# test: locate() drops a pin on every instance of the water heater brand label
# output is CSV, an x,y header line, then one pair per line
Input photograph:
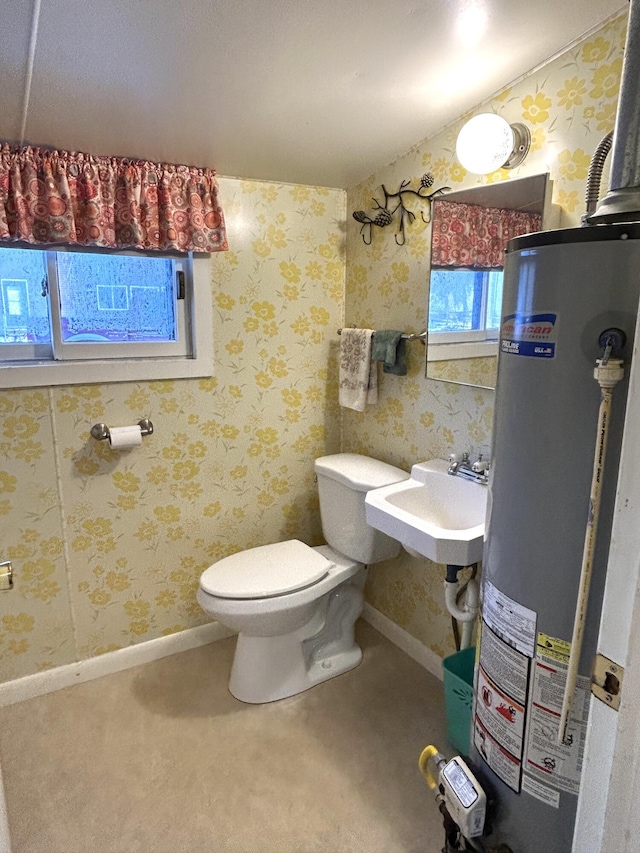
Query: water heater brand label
x,y
533,335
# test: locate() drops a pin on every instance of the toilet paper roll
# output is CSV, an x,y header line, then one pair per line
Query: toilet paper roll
x,y
127,436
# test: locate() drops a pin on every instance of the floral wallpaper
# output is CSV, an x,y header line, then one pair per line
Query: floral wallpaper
x,y
471,371
568,105
108,546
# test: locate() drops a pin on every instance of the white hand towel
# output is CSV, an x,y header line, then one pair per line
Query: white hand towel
x,y
358,374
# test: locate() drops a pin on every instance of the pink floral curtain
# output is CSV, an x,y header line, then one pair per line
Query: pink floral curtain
x,y
68,197
467,235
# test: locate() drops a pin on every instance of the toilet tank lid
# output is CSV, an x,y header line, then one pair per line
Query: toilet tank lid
x,y
266,571
359,472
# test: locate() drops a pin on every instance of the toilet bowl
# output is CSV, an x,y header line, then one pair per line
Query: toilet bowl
x,y
289,641
295,607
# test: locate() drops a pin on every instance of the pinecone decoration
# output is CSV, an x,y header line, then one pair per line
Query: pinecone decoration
x,y
427,180
360,216
383,218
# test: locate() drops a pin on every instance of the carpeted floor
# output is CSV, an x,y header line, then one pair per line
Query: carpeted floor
x,y
162,759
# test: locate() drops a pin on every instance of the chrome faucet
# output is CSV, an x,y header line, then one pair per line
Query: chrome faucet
x,y
456,460
478,471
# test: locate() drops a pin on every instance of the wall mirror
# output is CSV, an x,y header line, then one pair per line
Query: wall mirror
x,y
470,229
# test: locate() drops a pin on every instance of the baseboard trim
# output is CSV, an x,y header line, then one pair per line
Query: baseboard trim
x,y
51,680
403,640
41,683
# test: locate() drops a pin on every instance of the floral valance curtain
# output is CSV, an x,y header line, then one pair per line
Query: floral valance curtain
x,y
467,235
68,197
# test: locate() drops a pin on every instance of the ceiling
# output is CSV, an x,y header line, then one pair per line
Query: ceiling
x,y
312,91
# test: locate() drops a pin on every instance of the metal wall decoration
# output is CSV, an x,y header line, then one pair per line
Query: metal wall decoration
x,y
384,213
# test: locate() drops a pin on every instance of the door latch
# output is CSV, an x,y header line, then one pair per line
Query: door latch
x,y
606,681
6,575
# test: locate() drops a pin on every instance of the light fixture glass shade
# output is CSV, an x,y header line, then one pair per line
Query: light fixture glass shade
x,y
485,143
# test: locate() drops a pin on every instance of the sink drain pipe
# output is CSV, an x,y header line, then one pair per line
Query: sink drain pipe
x,y
469,611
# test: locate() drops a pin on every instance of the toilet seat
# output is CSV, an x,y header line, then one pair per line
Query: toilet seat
x,y
266,571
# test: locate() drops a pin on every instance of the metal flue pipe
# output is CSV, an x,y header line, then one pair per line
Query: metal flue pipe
x,y
622,202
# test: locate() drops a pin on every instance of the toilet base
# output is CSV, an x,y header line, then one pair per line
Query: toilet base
x,y
266,669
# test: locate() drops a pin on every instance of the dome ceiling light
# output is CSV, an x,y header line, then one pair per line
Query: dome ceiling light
x,y
488,142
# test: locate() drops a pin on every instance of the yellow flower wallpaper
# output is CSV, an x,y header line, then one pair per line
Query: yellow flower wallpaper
x,y
108,546
568,105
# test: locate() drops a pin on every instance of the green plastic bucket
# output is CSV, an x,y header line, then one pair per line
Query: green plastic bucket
x,y
458,697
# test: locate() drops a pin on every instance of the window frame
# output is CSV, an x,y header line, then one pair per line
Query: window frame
x,y
26,351
123,366
75,350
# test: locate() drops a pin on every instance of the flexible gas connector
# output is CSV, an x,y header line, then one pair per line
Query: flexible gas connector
x,y
430,755
592,196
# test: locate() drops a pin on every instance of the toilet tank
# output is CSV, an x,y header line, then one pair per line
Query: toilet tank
x,y
343,481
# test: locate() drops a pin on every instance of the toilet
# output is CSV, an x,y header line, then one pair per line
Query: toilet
x,y
295,607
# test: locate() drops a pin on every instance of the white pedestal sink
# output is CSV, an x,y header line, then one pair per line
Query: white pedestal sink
x,y
438,515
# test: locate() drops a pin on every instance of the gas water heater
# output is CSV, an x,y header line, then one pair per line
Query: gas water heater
x,y
563,290
570,299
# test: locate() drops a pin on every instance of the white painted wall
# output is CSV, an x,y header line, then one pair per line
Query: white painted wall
x,y
621,830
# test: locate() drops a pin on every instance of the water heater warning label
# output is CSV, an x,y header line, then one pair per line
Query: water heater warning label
x,y
532,335
501,716
558,766
500,706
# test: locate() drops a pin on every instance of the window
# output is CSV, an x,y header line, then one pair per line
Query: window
x,y
67,315
464,305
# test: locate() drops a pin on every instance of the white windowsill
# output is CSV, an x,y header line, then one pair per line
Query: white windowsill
x,y
451,352
39,373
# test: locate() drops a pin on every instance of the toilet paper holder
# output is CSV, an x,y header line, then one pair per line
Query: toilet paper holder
x,y
101,431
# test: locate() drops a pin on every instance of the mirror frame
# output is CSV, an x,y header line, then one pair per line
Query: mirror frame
x,y
531,194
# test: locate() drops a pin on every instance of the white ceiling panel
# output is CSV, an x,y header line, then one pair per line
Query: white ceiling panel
x,y
287,90
15,29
